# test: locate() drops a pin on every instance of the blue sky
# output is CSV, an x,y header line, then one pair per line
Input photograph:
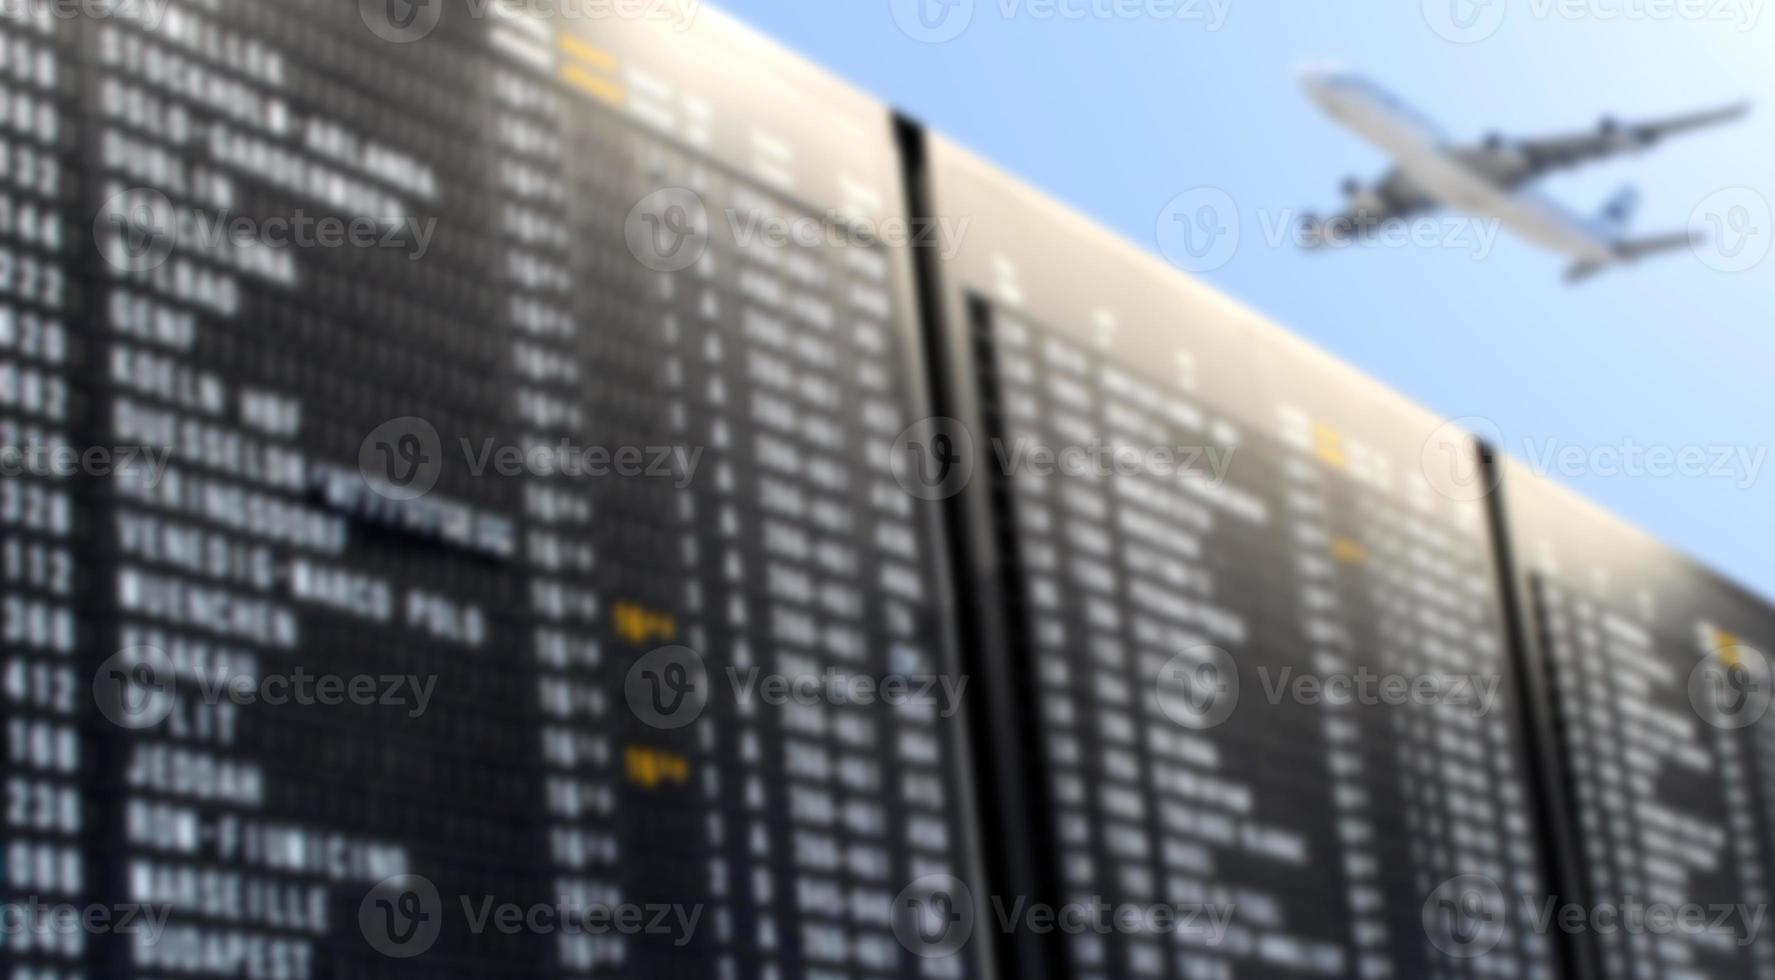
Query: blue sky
x,y
1119,113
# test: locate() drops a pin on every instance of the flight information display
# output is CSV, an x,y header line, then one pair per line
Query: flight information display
x,y
464,541
500,489
1657,673
1266,700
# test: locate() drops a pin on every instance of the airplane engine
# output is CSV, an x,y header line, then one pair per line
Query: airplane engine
x,y
1317,232
1362,200
1312,230
1511,154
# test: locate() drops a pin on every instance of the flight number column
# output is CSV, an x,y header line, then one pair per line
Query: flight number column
x,y
45,686
535,253
1323,623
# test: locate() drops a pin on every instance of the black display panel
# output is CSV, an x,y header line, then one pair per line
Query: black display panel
x,y
496,568
1261,676
472,503
1656,680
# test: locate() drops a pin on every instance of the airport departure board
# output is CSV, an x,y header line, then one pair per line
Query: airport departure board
x,y
494,495
482,567
1657,674
1267,701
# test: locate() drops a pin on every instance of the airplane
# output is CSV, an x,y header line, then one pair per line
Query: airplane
x,y
1490,179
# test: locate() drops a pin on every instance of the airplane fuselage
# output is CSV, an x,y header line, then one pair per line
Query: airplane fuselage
x,y
1423,155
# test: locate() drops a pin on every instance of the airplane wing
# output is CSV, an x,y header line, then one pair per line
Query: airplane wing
x,y
1515,162
1392,197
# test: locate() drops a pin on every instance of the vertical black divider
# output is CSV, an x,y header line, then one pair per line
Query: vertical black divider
x,y
1551,786
1016,825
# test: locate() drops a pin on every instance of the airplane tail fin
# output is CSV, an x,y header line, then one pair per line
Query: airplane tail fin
x,y
1630,250
1639,248
1581,271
